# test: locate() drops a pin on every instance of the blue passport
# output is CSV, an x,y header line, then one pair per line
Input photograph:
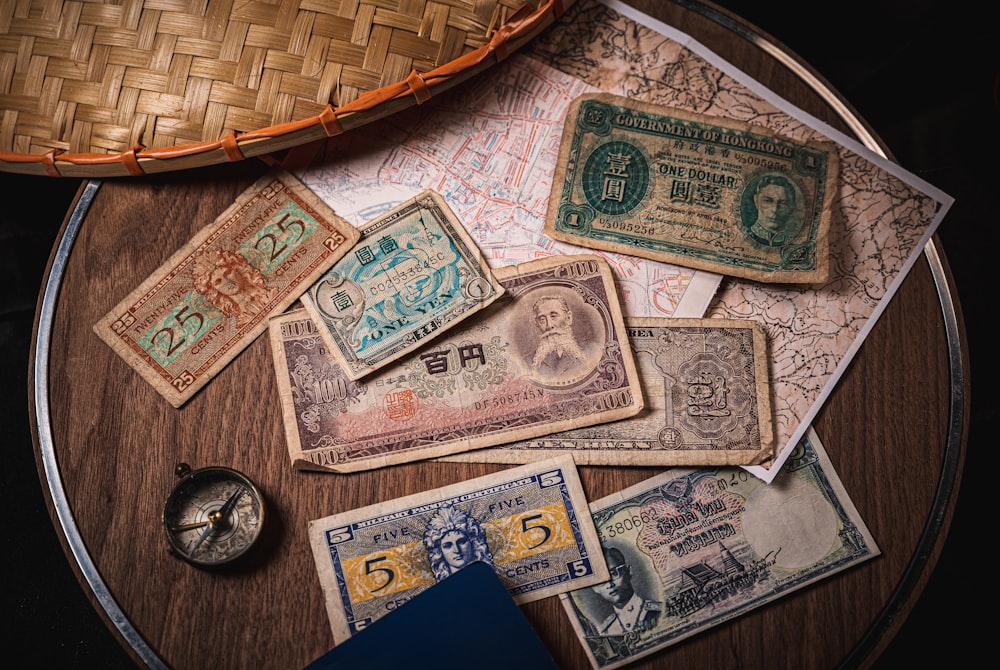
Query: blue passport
x,y
469,616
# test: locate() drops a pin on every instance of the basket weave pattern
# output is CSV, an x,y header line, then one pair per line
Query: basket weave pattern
x,y
88,83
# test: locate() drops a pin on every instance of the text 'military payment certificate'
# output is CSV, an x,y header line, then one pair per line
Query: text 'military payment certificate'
x,y
530,523
690,549
213,297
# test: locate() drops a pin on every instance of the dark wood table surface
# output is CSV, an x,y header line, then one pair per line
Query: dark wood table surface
x,y
107,445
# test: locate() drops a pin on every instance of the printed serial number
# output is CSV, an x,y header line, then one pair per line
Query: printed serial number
x,y
509,399
629,227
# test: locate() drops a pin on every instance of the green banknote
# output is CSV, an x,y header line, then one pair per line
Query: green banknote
x,y
689,549
694,190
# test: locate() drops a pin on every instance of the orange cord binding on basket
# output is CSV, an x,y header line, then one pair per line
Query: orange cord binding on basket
x,y
515,29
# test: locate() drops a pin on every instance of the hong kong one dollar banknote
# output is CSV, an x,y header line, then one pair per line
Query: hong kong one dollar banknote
x,y
213,296
529,523
691,548
551,354
703,192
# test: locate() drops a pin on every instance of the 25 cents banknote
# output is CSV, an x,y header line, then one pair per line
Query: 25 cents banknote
x,y
213,297
550,355
690,549
530,523
415,273
699,191
707,402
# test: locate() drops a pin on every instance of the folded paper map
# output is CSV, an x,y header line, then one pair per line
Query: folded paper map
x,y
882,218
529,523
415,273
551,354
700,191
707,402
213,297
689,549
490,148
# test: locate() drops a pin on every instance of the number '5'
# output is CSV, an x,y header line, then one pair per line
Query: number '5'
x,y
525,528
369,570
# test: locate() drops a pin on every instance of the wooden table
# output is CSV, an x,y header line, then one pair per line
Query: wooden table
x,y
107,443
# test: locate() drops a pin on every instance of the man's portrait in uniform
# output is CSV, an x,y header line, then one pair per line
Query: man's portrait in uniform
x,y
630,611
772,210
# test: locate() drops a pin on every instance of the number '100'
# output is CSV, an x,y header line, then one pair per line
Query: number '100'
x,y
328,390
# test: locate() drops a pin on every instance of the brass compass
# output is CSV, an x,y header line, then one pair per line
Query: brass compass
x,y
213,515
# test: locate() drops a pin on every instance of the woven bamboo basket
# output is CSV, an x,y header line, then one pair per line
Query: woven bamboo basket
x,y
111,88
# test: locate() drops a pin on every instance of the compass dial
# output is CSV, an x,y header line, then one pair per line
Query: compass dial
x,y
213,516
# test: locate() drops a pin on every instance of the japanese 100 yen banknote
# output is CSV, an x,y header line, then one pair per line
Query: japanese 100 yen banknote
x,y
699,191
706,402
692,548
213,296
530,523
551,354
415,273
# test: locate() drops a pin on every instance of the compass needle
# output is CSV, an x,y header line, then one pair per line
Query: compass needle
x,y
210,500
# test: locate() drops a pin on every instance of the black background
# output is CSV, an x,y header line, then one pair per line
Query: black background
x,y
923,73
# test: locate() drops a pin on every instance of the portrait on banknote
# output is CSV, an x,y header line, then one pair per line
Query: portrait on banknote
x,y
701,191
529,524
565,338
454,539
231,283
214,295
474,386
628,611
707,402
691,548
771,209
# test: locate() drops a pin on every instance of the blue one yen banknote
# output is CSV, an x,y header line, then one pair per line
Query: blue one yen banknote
x,y
699,191
529,523
414,273
689,549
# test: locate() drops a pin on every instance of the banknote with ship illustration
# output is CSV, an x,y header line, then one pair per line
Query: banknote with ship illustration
x,y
692,548
700,191
551,354
212,297
707,402
415,273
